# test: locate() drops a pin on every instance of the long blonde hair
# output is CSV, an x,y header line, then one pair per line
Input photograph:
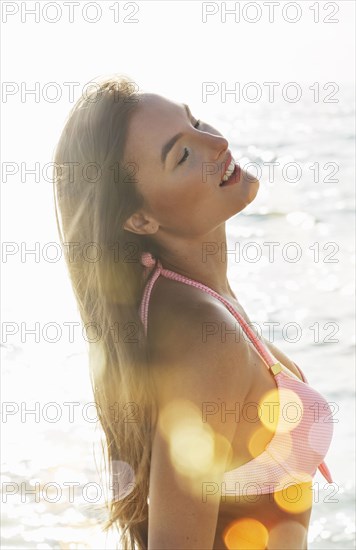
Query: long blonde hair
x,y
94,195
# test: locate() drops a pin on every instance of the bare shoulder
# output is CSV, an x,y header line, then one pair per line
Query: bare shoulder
x,y
188,352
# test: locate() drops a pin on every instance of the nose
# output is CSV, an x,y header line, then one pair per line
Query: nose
x,y
219,146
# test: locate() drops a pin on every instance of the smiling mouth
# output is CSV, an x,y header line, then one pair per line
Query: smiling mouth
x,y
234,178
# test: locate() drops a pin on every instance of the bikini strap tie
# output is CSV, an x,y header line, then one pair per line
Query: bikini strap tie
x,y
149,263
147,259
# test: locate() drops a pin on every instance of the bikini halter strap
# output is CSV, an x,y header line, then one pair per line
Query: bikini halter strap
x,y
154,264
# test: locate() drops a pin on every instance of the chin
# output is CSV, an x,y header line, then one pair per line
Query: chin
x,y
252,187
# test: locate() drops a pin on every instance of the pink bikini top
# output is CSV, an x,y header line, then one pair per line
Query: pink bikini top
x,y
303,435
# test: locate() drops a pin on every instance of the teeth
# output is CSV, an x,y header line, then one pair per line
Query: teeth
x,y
229,170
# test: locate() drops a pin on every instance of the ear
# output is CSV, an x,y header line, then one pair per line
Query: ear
x,y
139,224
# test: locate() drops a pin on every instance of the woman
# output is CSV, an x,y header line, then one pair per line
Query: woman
x,y
189,398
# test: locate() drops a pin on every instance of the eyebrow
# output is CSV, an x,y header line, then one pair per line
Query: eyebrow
x,y
170,143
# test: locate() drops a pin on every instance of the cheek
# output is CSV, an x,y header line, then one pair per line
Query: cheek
x,y
174,205
174,199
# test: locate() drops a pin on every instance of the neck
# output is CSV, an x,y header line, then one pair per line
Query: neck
x,y
203,259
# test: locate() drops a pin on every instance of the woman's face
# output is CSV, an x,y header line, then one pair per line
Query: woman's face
x,y
179,167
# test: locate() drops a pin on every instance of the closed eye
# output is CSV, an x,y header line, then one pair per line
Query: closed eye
x,y
186,152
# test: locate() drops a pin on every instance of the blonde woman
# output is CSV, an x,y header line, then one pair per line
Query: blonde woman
x,y
195,460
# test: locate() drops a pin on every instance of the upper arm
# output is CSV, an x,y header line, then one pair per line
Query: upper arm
x,y
195,379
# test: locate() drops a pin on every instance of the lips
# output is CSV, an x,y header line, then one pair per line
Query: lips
x,y
234,178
